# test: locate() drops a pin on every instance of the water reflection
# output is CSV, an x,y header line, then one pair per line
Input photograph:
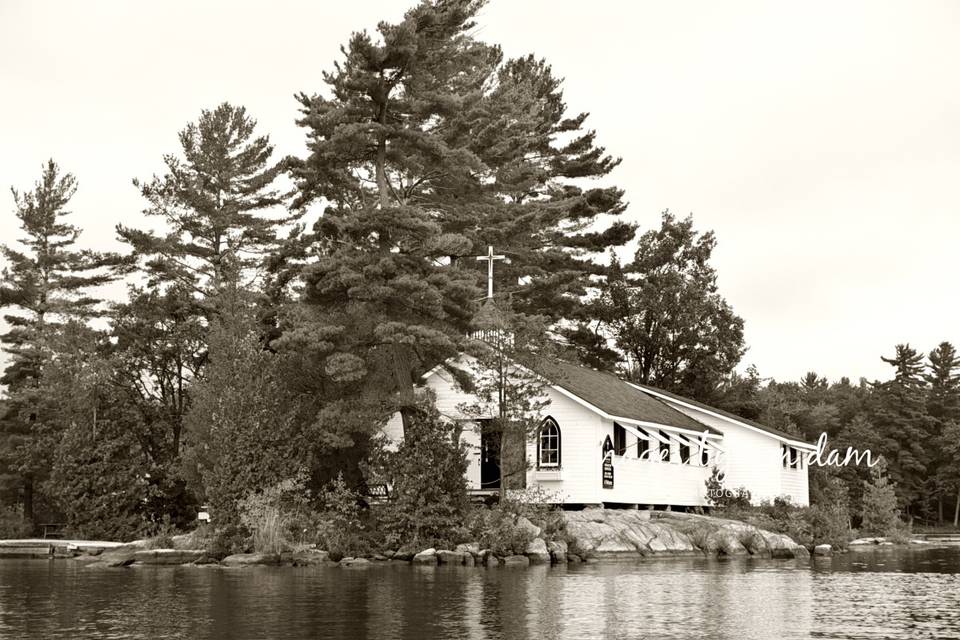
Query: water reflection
x,y
870,594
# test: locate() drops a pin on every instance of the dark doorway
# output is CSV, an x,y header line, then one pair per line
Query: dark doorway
x,y
489,459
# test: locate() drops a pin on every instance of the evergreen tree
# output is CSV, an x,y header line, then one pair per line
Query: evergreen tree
x,y
743,394
46,283
538,198
376,146
900,417
943,407
222,215
948,471
804,408
216,202
880,515
426,133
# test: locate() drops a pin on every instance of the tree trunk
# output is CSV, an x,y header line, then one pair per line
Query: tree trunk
x,y
956,510
940,509
381,159
28,498
503,477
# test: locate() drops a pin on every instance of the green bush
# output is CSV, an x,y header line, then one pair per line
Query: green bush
x,y
428,503
721,497
540,508
227,541
268,515
161,535
341,527
813,525
12,524
497,529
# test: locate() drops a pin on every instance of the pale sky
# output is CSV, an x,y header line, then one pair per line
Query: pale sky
x,y
819,140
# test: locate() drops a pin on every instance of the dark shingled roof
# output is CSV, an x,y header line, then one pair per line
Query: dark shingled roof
x,y
614,396
732,416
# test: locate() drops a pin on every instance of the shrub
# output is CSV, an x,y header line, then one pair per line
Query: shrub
x,y
829,525
539,507
429,500
268,515
13,525
341,530
816,524
723,498
698,531
161,537
227,541
497,529
881,517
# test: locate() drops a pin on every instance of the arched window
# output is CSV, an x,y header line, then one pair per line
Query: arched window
x,y
548,444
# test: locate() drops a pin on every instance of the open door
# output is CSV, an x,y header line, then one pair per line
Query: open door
x,y
489,460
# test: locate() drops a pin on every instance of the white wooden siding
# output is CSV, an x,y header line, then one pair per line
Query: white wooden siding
x,y
751,459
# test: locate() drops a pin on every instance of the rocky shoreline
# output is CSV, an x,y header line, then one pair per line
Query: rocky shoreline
x,y
591,535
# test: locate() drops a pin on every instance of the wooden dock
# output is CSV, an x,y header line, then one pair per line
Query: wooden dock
x,y
52,548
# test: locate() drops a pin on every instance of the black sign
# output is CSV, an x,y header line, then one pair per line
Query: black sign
x,y
608,473
607,464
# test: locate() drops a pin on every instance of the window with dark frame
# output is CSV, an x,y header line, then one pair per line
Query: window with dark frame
x,y
643,449
548,445
664,448
619,440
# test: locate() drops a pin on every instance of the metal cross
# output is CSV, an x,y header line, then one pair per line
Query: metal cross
x,y
490,257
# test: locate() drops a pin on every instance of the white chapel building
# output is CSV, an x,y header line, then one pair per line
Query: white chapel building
x,y
605,441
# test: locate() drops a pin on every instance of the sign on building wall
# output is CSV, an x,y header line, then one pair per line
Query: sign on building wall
x,y
607,464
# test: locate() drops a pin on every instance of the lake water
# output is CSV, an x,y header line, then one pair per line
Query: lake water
x,y
880,593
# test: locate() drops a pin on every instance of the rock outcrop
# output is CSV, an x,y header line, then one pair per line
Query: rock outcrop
x,y
168,556
309,558
428,557
246,559
537,552
625,533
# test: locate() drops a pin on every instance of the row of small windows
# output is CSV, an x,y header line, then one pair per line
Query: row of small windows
x,y
549,447
662,453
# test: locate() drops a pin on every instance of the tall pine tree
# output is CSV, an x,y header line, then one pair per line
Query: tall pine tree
x,y
377,144
219,205
943,407
899,415
46,283
427,149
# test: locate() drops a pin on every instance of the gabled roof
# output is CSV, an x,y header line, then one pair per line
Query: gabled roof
x,y
726,414
615,397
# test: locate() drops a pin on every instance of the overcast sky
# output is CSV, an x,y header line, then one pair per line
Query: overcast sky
x,y
819,140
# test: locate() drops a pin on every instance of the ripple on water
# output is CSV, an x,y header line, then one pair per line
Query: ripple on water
x,y
891,594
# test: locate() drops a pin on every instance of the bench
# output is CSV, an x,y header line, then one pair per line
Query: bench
x,y
52,529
